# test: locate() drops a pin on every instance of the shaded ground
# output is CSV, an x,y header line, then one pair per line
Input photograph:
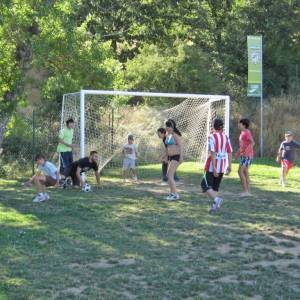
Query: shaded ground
x,y
127,242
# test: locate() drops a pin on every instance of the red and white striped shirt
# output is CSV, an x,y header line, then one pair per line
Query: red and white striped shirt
x,y
219,143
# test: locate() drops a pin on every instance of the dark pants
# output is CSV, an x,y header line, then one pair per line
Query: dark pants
x,y
66,158
164,168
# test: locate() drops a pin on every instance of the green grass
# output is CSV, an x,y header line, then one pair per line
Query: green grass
x,y
126,242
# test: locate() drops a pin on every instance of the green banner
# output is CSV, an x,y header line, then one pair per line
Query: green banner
x,y
254,44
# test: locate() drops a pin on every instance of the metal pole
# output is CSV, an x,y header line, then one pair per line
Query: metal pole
x,y
261,106
33,142
82,124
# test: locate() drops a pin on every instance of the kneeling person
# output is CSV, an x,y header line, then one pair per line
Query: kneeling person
x,y
47,176
82,165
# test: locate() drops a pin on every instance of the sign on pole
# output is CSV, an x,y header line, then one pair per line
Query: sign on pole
x,y
255,77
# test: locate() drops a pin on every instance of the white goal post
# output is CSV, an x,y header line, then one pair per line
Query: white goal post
x,y
102,123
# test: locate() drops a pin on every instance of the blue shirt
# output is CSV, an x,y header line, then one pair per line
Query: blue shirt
x,y
288,150
48,169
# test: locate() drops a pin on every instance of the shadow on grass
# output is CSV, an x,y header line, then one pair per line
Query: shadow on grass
x,y
123,242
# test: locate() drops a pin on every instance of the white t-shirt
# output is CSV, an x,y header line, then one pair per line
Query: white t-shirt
x,y
48,169
130,151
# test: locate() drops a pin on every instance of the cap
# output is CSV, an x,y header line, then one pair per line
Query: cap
x,y
288,133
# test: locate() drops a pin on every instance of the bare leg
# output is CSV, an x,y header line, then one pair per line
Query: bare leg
x,y
246,174
173,165
284,172
243,179
38,183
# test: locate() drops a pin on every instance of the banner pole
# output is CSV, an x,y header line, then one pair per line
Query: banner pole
x,y
261,106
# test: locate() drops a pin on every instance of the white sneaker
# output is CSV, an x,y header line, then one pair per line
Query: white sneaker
x,y
134,178
173,197
164,183
39,198
46,195
218,201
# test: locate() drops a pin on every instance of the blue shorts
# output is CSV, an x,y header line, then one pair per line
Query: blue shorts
x,y
245,161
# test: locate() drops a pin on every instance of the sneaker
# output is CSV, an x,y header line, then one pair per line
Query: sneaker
x,y
283,184
213,209
173,197
164,183
219,202
134,178
46,195
39,198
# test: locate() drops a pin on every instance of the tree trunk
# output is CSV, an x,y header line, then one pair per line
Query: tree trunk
x,y
3,124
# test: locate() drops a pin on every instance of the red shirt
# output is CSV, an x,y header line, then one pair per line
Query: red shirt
x,y
219,143
245,143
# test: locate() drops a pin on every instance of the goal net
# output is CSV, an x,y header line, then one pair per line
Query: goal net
x,y
103,123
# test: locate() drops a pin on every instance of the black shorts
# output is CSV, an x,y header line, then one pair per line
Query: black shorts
x,y
68,172
174,157
210,182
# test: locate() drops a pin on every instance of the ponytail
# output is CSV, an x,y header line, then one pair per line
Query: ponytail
x,y
171,123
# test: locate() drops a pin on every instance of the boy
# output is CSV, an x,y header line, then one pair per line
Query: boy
x,y
286,155
245,153
80,166
217,163
161,132
47,176
65,145
130,153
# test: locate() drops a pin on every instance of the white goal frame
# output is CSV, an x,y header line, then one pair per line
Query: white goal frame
x,y
82,93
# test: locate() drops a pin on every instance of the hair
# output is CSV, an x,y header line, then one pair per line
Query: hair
x,y
69,121
93,152
130,137
171,123
161,130
245,122
218,124
39,156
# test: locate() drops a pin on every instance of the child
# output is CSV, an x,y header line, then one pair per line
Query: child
x,y
217,163
162,134
286,155
65,146
47,176
130,154
245,153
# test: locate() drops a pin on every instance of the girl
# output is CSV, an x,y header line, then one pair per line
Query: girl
x,y
174,151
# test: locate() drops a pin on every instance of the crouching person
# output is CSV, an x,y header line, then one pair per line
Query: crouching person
x,y
47,175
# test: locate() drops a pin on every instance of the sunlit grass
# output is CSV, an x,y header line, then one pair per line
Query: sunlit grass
x,y
125,241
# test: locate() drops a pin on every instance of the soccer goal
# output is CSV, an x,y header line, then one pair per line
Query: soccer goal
x,y
103,122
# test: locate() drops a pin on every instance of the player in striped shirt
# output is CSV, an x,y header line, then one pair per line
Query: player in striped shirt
x,y
217,163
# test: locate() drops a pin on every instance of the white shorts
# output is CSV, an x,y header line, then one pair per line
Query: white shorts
x,y
128,163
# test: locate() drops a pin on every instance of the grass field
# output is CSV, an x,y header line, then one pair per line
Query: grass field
x,y
126,242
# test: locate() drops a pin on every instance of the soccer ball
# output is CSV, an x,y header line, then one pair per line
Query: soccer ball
x,y
86,187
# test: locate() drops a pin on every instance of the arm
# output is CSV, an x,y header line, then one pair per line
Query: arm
x,y
229,163
297,144
213,159
279,154
97,175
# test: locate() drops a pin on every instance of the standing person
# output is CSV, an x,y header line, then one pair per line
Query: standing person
x,y
286,155
78,167
47,176
130,154
245,153
162,134
65,146
217,163
174,149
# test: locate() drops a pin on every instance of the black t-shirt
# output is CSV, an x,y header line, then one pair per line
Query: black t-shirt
x,y
84,164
